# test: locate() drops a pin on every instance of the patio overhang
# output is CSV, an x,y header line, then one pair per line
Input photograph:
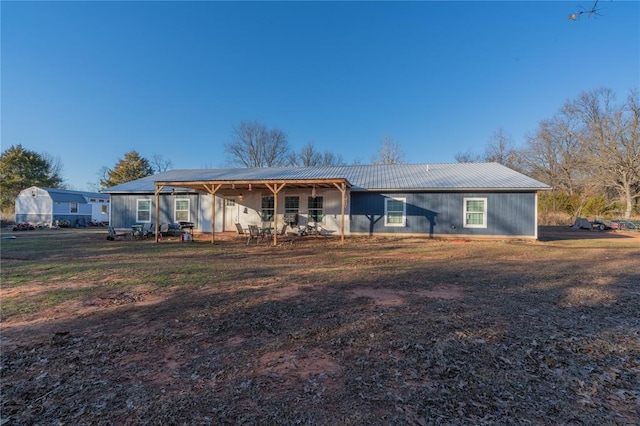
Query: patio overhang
x,y
272,185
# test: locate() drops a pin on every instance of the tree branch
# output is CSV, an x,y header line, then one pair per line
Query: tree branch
x,y
593,11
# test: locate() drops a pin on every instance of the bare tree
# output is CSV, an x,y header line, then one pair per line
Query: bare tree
x,y
389,152
103,176
500,149
254,145
308,156
553,154
468,157
331,159
612,140
160,164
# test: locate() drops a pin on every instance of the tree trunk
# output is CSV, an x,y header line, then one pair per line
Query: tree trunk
x,y
628,201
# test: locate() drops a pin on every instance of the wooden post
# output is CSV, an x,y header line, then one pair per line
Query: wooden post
x,y
343,190
157,196
212,190
275,189
344,201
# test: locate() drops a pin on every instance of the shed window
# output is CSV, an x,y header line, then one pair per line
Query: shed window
x,y
395,212
315,209
143,211
182,210
267,208
475,212
73,207
104,210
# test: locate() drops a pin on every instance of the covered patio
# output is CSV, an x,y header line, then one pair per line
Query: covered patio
x,y
273,186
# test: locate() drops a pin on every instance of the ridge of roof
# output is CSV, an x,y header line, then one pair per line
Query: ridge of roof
x,y
71,191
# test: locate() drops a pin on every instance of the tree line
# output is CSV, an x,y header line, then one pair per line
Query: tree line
x,y
588,152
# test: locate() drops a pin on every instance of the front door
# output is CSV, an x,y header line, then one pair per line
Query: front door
x,y
230,214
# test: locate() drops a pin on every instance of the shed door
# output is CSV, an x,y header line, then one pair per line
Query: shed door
x,y
230,214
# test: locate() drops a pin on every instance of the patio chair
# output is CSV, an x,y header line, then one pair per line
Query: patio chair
x,y
147,230
254,232
240,229
114,235
164,230
283,230
137,232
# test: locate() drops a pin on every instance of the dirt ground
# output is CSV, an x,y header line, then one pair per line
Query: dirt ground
x,y
376,331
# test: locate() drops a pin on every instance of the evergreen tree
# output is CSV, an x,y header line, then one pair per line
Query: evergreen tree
x,y
21,168
129,168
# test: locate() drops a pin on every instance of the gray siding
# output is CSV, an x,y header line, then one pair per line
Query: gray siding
x,y
123,208
440,213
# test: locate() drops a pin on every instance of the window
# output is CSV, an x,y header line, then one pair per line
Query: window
x,y
104,210
475,212
395,212
267,208
182,210
315,209
143,211
230,202
291,204
73,207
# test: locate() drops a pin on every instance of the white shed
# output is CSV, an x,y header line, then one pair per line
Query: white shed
x,y
48,205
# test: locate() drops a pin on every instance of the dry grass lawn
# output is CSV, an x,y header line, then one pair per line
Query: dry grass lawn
x,y
375,331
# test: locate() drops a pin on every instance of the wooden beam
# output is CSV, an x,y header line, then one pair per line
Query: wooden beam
x,y
275,189
343,190
212,190
157,199
197,184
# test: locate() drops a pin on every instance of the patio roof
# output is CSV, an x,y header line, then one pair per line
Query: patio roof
x,y
274,185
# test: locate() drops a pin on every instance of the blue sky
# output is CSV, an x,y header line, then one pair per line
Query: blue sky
x,y
89,81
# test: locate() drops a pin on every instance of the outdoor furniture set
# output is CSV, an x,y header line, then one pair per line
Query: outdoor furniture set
x,y
140,231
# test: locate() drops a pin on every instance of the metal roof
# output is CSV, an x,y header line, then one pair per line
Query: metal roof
x,y
389,177
69,196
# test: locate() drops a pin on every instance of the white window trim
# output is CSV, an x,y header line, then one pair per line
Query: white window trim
x,y
175,209
404,211
484,213
138,210
71,208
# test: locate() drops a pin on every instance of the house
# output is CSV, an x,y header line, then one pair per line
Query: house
x,y
48,205
444,200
